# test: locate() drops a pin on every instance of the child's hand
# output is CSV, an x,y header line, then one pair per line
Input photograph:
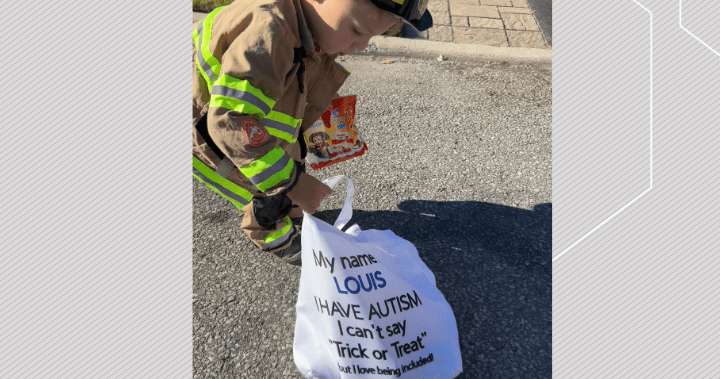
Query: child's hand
x,y
308,193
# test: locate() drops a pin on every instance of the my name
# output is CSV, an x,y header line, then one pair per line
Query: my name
x,y
354,261
321,261
357,261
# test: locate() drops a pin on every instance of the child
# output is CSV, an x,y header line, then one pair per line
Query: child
x,y
264,71
319,146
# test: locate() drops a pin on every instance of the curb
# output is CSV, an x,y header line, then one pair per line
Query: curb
x,y
419,48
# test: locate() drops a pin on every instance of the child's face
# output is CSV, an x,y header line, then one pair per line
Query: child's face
x,y
344,26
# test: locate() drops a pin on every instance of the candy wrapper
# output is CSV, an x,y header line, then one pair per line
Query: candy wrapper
x,y
333,137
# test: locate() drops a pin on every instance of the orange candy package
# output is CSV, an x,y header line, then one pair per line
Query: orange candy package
x,y
333,137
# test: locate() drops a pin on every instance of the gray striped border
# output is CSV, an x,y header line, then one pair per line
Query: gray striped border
x,y
708,17
567,249
96,272
637,297
96,276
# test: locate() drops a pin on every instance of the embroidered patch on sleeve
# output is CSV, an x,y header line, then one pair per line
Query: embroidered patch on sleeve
x,y
253,133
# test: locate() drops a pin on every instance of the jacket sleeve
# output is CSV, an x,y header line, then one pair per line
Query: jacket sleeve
x,y
241,119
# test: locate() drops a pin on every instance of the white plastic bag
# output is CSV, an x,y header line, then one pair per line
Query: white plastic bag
x,y
368,306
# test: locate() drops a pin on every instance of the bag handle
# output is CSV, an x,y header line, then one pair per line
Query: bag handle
x,y
346,212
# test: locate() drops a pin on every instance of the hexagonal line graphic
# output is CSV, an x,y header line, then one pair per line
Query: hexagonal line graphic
x,y
688,32
651,151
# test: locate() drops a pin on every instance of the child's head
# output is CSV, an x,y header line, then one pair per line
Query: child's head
x,y
344,26
319,137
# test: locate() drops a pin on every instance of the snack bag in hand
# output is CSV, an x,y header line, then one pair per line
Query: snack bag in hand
x,y
333,137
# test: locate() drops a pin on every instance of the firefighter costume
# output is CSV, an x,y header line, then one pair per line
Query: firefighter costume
x,y
258,83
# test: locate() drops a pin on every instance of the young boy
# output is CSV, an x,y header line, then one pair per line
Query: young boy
x,y
264,71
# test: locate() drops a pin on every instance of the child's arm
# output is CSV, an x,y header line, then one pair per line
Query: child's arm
x,y
253,114
244,120
308,193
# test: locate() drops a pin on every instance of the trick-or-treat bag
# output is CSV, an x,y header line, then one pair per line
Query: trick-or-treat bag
x,y
368,306
333,137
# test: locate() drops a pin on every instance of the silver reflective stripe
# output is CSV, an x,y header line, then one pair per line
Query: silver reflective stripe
x,y
220,188
241,95
278,125
270,171
282,239
201,58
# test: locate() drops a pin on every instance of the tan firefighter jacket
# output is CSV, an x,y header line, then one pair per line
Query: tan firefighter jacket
x,y
248,61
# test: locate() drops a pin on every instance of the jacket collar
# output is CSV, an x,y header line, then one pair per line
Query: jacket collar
x,y
305,35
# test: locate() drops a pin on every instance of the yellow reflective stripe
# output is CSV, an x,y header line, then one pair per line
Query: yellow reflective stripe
x,y
281,236
196,38
281,125
281,175
202,69
231,191
240,96
207,63
236,105
263,163
271,169
243,86
399,1
237,204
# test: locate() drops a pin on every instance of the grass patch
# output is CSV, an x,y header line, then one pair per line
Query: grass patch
x,y
207,6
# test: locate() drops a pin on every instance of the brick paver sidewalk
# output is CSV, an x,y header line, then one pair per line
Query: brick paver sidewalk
x,y
484,22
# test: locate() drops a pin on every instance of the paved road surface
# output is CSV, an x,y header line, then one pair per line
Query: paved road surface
x,y
460,165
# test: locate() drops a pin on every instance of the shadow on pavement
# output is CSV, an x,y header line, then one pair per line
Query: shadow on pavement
x,y
493,264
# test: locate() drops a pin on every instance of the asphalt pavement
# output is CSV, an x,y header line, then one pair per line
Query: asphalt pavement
x,y
459,164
